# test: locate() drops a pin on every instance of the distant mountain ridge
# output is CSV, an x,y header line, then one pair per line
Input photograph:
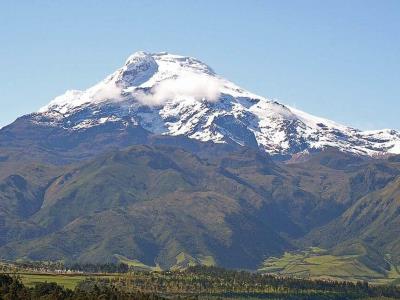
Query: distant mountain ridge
x,y
174,95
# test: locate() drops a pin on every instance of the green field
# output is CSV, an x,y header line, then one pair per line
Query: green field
x,y
67,281
317,263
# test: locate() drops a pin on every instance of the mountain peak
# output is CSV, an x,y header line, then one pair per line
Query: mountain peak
x,y
169,59
171,94
151,78
137,55
138,68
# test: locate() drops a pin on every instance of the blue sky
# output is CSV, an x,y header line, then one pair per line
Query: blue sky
x,y
339,59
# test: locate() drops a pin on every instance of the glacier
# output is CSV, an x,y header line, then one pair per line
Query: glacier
x,y
169,94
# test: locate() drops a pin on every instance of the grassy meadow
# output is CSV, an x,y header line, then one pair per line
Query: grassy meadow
x,y
317,263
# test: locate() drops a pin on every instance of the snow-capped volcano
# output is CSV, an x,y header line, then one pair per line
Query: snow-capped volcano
x,y
176,95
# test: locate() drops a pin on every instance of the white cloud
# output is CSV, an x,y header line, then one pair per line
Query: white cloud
x,y
186,86
109,91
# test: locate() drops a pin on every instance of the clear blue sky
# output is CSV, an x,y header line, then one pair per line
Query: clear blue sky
x,y
338,59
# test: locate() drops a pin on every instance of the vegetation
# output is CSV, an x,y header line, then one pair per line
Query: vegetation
x,y
194,283
13,289
319,263
66,281
371,222
100,268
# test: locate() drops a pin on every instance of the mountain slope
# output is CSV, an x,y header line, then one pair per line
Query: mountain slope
x,y
157,204
174,95
161,202
372,222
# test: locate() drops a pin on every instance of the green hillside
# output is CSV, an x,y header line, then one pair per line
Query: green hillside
x,y
166,207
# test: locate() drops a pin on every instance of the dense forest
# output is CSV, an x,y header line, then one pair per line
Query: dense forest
x,y
195,283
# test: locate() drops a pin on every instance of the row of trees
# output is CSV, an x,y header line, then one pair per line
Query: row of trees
x,y
58,267
208,275
100,268
215,281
